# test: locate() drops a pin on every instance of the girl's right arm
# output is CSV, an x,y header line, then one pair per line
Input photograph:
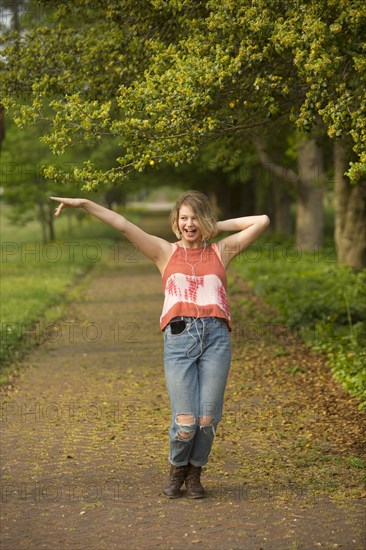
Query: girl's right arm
x,y
156,249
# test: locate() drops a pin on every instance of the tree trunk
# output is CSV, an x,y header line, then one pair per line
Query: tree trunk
x,y
50,223
212,196
47,223
230,200
282,205
350,214
42,220
242,199
215,188
15,19
2,125
309,191
309,215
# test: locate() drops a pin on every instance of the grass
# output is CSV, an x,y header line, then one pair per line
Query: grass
x,y
323,301
39,279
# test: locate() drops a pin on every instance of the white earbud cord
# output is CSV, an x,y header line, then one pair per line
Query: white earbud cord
x,y
198,312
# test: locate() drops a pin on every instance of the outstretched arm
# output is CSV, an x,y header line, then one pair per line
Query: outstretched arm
x,y
156,249
247,230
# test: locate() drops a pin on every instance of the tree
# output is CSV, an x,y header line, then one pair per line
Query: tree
x,y
229,172
14,12
24,186
350,214
307,181
172,75
2,125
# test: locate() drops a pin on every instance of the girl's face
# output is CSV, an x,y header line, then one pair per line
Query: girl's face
x,y
189,227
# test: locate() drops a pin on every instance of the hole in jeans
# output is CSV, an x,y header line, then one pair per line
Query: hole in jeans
x,y
205,420
185,420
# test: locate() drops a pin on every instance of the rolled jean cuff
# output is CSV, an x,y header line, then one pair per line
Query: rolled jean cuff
x,y
196,464
178,464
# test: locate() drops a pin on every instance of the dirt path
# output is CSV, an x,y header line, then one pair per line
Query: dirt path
x,y
84,436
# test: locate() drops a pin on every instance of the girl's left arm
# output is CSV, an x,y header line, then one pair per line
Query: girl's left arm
x,y
247,230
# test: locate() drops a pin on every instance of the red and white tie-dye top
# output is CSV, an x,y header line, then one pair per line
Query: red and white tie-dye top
x,y
197,292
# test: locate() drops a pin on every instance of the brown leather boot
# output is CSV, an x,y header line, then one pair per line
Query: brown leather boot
x,y
193,483
176,479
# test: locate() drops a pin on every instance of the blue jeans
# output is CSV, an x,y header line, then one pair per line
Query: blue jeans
x,y
196,364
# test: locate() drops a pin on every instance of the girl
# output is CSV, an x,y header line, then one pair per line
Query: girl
x,y
195,321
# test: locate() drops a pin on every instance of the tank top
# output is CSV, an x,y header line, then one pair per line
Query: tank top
x,y
194,285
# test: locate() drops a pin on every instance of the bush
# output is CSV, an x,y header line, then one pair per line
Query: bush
x,y
318,297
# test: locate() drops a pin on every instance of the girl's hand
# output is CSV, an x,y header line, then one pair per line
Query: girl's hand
x,y
67,203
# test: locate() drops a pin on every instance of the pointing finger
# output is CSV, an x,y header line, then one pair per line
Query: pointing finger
x,y
59,209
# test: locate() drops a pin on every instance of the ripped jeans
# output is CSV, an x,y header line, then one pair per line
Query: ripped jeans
x,y
196,364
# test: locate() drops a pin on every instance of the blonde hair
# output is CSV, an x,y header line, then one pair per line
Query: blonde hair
x,y
201,208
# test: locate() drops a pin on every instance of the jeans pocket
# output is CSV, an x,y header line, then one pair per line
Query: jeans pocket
x,y
169,337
